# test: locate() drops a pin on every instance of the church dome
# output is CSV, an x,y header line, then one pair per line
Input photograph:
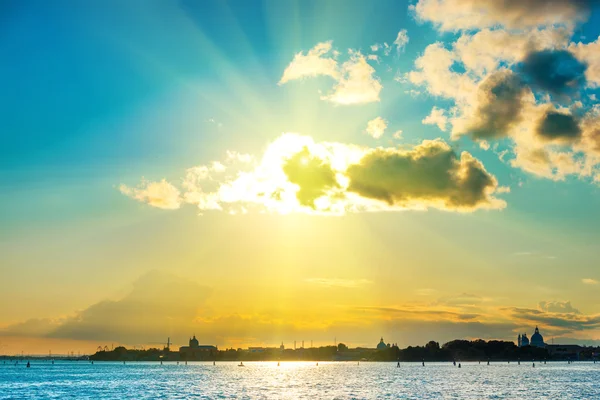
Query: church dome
x,y
537,339
381,345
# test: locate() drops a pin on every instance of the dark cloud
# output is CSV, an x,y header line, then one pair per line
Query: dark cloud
x,y
422,313
313,175
430,172
31,327
555,71
539,6
556,126
518,14
560,320
500,101
157,303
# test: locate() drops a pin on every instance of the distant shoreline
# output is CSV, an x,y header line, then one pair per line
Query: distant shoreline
x,y
456,350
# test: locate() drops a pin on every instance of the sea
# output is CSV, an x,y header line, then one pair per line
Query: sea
x,y
299,380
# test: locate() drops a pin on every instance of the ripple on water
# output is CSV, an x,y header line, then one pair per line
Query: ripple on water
x,y
65,380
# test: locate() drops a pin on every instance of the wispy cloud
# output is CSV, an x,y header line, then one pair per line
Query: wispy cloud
x,y
589,281
161,194
336,282
355,78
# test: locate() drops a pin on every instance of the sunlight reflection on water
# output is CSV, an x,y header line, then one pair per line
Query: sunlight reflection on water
x,y
299,380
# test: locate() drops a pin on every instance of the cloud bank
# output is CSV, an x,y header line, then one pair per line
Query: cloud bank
x,y
514,77
297,174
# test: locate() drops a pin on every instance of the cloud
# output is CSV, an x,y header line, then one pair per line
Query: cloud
x,y
357,83
298,175
590,136
398,134
311,64
336,282
32,327
489,50
434,71
313,176
376,127
556,316
401,40
524,86
462,300
555,71
589,281
436,117
157,303
558,307
501,98
589,53
558,126
421,313
430,175
453,15
160,194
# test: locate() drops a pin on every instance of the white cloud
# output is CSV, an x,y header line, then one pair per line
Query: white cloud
x,y
357,83
480,73
589,281
434,71
590,54
313,64
160,194
436,117
401,40
397,134
453,15
298,175
376,127
336,282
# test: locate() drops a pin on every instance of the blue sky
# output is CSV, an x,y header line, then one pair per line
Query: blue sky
x,y
97,95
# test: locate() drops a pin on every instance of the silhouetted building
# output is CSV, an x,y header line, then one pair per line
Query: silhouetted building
x,y
522,340
196,350
382,346
537,340
565,351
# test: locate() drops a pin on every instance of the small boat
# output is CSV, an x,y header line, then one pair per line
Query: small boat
x,y
241,364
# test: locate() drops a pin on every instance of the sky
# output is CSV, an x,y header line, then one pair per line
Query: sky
x,y
259,172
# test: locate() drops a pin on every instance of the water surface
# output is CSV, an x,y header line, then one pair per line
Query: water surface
x,y
306,380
